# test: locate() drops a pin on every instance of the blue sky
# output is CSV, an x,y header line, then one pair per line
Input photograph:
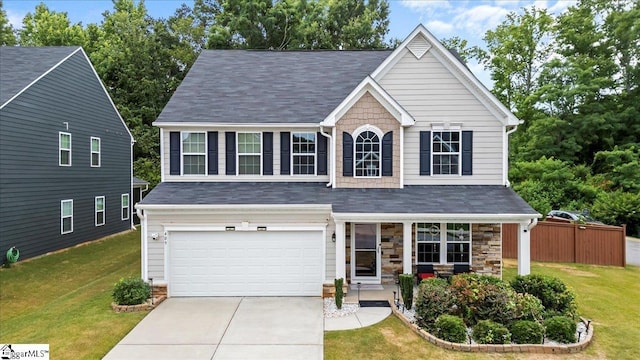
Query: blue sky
x,y
467,19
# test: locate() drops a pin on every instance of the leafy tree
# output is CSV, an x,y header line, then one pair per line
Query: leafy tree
x,y
50,28
7,35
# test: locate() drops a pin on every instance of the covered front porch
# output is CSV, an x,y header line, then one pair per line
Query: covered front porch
x,y
376,251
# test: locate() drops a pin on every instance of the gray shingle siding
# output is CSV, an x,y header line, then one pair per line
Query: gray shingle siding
x,y
266,87
32,184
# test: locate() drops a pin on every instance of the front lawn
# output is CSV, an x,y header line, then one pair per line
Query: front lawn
x,y
63,299
610,296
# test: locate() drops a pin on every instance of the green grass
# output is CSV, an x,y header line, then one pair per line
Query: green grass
x,y
609,296
64,299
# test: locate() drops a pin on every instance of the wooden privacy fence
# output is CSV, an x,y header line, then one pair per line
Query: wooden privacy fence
x,y
573,243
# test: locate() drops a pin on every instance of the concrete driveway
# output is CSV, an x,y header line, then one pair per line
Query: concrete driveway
x,y
227,328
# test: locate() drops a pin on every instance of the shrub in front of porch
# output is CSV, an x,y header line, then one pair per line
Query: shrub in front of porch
x,y
556,298
481,297
434,298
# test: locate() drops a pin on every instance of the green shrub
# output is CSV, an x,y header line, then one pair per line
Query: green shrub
x,y
529,307
406,288
527,332
339,294
131,291
434,299
451,328
481,297
556,298
561,329
490,332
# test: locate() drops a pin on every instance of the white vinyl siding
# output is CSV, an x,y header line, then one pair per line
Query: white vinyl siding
x,y
66,216
433,95
64,149
99,210
95,152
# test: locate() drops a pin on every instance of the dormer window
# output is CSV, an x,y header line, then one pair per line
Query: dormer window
x,y
367,154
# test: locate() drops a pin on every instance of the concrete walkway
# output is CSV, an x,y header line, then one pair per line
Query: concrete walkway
x,y
366,316
227,328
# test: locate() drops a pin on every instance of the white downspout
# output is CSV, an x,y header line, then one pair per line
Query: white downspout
x,y
330,146
505,156
143,246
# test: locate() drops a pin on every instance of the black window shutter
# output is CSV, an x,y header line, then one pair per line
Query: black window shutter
x,y
322,154
212,152
425,152
285,148
467,153
230,144
267,153
347,154
387,154
174,153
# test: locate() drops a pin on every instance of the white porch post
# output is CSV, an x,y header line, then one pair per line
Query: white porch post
x,y
524,249
340,251
406,247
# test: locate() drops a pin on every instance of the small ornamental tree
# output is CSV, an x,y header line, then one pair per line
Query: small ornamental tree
x,y
339,294
406,289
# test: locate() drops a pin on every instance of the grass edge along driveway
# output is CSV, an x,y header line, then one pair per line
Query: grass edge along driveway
x,y
609,296
64,299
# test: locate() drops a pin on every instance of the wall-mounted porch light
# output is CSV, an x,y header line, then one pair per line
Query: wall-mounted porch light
x,y
333,237
230,228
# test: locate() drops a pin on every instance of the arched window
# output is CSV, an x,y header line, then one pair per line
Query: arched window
x,y
367,154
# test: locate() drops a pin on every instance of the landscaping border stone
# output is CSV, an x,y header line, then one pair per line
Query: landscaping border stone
x,y
149,305
506,348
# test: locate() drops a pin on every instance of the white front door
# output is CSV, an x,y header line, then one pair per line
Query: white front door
x,y
365,253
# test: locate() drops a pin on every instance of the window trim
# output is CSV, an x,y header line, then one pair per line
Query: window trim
x,y
60,148
434,154
249,154
356,134
99,152
443,243
315,153
183,153
122,206
62,216
103,211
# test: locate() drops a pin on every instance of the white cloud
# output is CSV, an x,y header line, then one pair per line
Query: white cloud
x,y
440,27
480,18
561,6
15,19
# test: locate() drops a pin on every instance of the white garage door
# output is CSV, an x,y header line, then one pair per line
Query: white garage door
x,y
242,263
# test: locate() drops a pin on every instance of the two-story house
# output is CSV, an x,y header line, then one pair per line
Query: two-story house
x,y
283,170
65,152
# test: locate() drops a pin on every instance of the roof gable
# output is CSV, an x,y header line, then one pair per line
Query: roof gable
x,y
245,87
368,85
421,41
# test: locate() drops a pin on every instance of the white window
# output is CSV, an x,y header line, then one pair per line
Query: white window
x,y
194,153
446,152
443,243
304,153
99,208
125,206
95,152
66,216
249,153
64,149
367,154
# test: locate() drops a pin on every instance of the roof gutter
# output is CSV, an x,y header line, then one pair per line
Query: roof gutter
x,y
399,217
330,183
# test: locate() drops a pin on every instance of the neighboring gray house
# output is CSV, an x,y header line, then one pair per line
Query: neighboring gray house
x,y
65,152
283,170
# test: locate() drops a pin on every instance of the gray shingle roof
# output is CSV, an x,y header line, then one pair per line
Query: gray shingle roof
x,y
260,86
432,199
20,66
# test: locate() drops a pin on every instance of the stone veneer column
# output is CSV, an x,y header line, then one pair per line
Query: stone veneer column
x,y
486,249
